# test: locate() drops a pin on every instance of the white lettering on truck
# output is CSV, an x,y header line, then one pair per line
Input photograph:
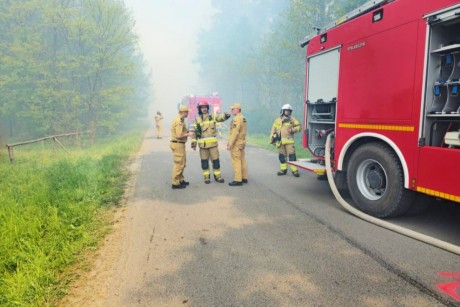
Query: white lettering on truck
x,y
356,46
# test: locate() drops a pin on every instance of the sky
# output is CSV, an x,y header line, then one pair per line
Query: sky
x,y
167,31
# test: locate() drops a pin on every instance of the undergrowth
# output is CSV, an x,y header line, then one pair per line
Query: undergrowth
x,y
52,209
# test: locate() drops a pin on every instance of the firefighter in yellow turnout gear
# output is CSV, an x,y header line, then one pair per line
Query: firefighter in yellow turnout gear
x,y
205,136
159,124
179,134
236,145
282,136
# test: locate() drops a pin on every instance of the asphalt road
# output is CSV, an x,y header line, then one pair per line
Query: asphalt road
x,y
277,241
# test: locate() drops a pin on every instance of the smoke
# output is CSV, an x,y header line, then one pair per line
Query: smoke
x,y
167,31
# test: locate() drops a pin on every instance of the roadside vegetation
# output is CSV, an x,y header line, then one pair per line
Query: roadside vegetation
x,y
54,208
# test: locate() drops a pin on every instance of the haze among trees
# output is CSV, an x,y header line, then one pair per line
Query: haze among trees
x,y
251,53
68,66
74,65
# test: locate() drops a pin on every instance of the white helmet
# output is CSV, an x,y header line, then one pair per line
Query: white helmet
x,y
287,106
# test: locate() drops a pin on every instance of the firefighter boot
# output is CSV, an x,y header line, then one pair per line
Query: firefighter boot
x,y
283,169
216,171
219,179
295,171
207,179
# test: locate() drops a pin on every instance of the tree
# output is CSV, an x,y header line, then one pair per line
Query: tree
x,y
68,65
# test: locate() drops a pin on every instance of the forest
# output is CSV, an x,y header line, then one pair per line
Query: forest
x,y
68,66
75,65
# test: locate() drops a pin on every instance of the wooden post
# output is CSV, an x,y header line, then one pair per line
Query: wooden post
x,y
11,153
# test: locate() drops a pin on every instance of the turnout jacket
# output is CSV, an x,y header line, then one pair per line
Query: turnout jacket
x,y
205,129
280,128
158,120
238,128
178,128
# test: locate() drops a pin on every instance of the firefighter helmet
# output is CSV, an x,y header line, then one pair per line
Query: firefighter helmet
x,y
183,108
236,105
287,106
203,104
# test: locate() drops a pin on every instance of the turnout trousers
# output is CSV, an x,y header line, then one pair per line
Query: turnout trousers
x,y
213,154
159,131
239,164
287,152
179,160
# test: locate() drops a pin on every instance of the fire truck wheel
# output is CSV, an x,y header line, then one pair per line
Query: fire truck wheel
x,y
375,180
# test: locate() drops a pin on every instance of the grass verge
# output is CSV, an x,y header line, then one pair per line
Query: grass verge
x,y
52,210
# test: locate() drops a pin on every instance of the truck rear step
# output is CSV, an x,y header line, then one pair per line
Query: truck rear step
x,y
311,165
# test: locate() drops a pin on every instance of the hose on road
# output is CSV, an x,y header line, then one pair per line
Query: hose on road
x,y
398,229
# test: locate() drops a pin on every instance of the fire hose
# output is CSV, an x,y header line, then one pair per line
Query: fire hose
x,y
398,229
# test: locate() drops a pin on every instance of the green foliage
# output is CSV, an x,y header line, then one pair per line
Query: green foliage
x,y
51,212
68,66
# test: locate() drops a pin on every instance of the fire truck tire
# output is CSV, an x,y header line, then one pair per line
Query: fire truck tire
x,y
375,180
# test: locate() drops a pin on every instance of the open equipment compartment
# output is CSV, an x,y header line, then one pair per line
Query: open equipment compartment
x,y
442,97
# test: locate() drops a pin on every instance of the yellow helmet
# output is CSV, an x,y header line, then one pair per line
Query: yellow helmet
x,y
183,109
235,106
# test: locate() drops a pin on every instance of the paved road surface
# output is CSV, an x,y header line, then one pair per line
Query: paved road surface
x,y
278,241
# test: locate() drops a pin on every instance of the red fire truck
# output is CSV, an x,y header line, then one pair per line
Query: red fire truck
x,y
192,102
384,81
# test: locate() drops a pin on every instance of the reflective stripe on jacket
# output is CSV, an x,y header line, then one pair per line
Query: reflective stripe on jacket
x,y
281,126
208,129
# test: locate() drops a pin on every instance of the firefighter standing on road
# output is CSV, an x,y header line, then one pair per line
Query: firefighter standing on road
x,y
159,124
179,134
205,135
236,144
282,136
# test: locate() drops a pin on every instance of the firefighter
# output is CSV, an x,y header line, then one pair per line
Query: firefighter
x,y
205,135
159,124
179,134
236,144
282,136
